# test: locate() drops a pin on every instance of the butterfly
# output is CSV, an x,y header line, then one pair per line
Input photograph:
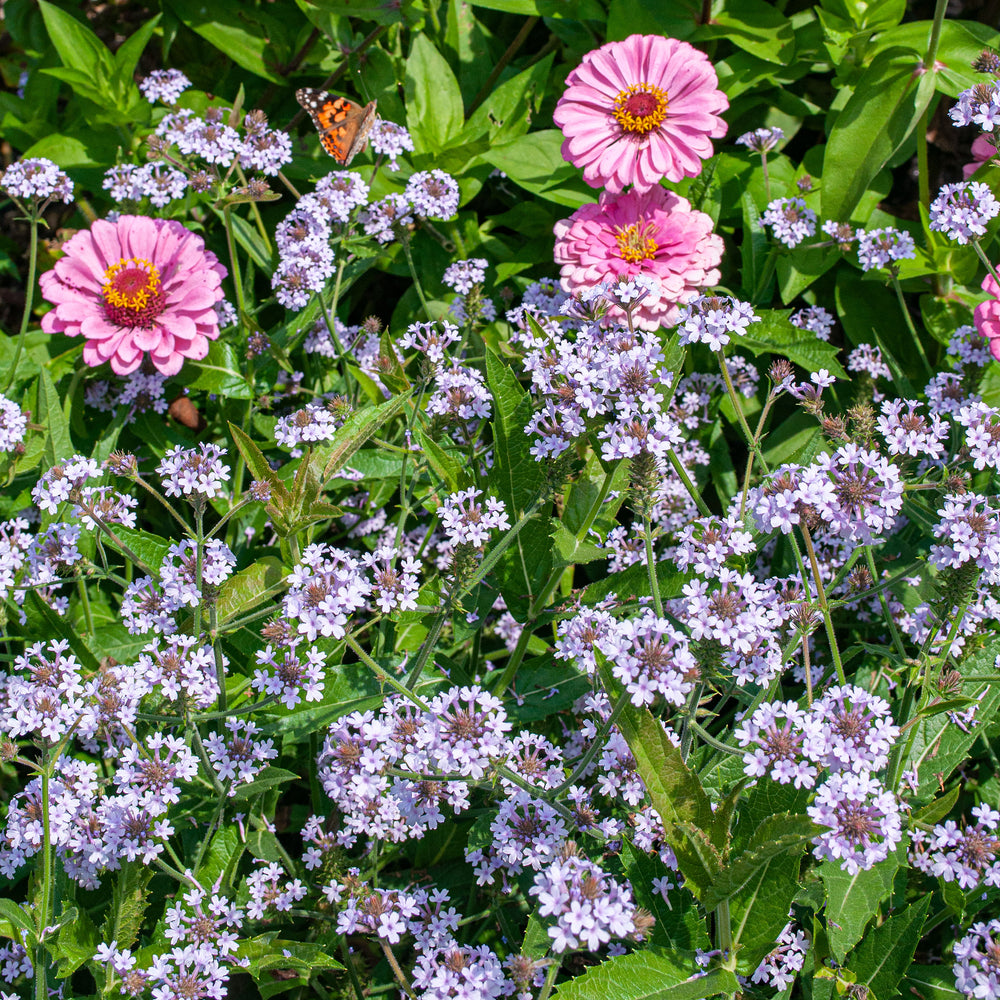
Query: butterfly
x,y
343,126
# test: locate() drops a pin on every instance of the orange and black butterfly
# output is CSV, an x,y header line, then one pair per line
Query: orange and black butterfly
x,y
343,126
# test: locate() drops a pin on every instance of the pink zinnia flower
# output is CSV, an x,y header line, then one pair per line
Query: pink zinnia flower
x,y
656,234
133,286
640,110
987,315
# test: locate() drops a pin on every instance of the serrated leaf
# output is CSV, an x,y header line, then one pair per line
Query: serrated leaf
x,y
880,961
358,428
930,982
128,907
938,808
778,835
852,900
151,549
442,462
75,941
650,974
50,414
248,588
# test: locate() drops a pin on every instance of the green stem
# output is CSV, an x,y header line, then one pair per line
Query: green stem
x,y
894,277
692,491
654,583
940,8
44,915
550,977
430,641
405,239
767,179
519,39
824,606
383,677
227,213
596,746
986,261
886,613
29,298
510,670
923,178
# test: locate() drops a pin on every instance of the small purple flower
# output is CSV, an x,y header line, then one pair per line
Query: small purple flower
x,y
336,196
710,319
868,359
466,522
389,139
463,274
386,218
237,757
761,140
968,854
774,736
883,247
815,319
264,149
977,972
36,179
790,220
197,474
862,819
164,85
849,729
13,424
433,194
907,432
314,422
584,907
781,965
961,211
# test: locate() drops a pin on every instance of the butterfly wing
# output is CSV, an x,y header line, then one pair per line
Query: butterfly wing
x,y
342,124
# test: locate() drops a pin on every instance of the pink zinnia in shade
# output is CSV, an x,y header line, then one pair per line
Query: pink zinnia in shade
x,y
655,233
640,110
987,315
132,287
982,152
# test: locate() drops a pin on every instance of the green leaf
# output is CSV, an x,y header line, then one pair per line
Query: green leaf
x,y
756,27
778,835
259,466
127,56
150,548
930,982
650,974
880,116
759,909
434,110
674,788
293,960
678,926
754,249
58,443
243,33
78,47
852,900
939,746
219,373
774,334
129,901
17,920
75,941
535,162
882,958
270,777
517,479
248,588
446,465
938,808
358,428
506,113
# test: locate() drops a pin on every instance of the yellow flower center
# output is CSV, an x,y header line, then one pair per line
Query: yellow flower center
x,y
133,294
635,242
640,108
